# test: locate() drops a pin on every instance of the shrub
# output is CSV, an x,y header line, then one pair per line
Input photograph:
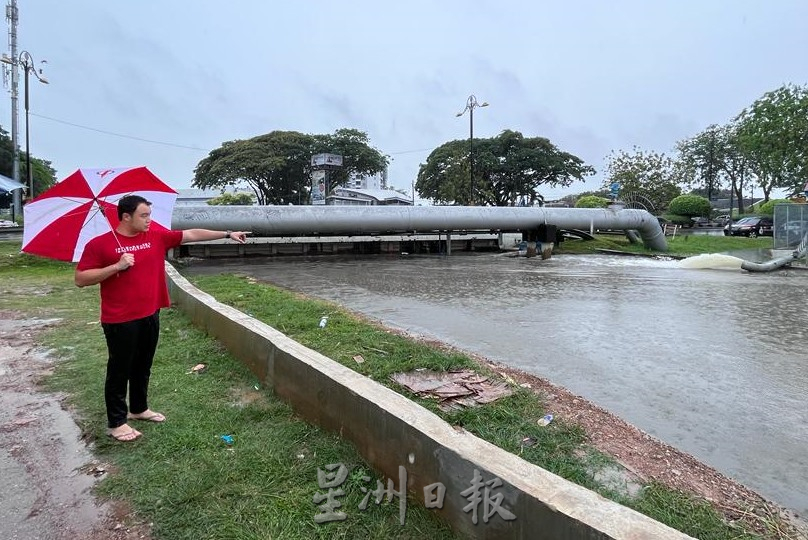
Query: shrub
x,y
767,208
232,199
592,201
677,219
690,206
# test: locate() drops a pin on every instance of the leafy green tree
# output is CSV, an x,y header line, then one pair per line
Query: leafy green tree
x,y
43,173
714,159
509,170
647,175
592,201
358,157
233,199
690,206
702,158
277,165
735,164
773,135
445,175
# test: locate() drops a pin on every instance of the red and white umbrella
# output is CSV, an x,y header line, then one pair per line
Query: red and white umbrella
x,y
60,221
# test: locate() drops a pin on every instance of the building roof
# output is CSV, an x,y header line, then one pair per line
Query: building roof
x,y
378,194
7,184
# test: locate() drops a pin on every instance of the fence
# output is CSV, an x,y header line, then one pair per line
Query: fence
x,y
790,224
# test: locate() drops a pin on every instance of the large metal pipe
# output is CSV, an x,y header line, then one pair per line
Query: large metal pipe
x,y
779,262
325,220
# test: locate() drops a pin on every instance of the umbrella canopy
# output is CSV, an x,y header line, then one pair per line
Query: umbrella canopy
x,y
60,221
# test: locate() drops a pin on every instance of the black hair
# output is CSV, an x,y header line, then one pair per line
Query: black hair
x,y
128,204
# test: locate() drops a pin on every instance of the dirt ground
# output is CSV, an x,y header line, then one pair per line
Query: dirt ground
x,y
47,467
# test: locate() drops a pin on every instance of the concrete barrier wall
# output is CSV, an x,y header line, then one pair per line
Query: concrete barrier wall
x,y
390,431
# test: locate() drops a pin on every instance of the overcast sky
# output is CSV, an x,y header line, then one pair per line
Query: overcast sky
x,y
592,76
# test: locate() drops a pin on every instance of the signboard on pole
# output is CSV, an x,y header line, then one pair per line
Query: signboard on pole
x,y
318,187
326,160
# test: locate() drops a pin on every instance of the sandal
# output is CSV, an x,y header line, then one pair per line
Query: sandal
x,y
126,436
147,416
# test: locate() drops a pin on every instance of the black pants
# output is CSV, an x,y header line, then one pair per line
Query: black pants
x,y
131,347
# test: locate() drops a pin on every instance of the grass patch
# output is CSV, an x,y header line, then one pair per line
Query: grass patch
x,y
682,245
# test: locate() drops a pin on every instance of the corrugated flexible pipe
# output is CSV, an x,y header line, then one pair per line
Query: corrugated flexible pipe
x,y
779,262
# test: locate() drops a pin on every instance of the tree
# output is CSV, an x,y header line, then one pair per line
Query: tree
x,y
43,173
702,159
358,157
735,164
232,199
713,157
277,165
773,135
509,170
645,175
592,201
690,206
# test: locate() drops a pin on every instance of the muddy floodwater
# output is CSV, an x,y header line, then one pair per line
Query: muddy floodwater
x,y
711,361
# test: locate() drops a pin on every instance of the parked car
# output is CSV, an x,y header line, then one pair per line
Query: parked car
x,y
722,220
752,226
792,231
699,222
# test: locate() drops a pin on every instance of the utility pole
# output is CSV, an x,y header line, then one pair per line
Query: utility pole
x,y
12,16
471,104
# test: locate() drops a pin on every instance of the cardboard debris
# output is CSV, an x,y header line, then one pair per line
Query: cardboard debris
x,y
454,390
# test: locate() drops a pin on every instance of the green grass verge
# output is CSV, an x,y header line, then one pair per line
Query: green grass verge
x,y
183,478
682,245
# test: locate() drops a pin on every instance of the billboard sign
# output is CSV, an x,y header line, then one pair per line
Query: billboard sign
x,y
323,160
318,187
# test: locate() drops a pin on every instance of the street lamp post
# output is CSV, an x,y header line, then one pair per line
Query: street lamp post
x,y
27,63
471,104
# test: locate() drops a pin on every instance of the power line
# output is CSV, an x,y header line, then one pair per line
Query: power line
x,y
411,151
121,135
175,145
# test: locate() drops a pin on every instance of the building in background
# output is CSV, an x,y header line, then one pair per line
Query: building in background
x,y
369,190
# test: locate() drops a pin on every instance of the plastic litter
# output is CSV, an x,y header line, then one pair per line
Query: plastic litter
x,y
546,419
358,359
199,368
228,439
323,321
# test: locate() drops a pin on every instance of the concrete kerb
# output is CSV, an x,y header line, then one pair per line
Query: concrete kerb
x,y
390,431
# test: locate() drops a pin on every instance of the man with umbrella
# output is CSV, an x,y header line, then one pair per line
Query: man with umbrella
x,y
128,264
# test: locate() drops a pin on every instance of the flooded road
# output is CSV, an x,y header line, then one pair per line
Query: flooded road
x,y
712,362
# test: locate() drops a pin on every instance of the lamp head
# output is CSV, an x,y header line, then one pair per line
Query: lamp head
x,y
484,104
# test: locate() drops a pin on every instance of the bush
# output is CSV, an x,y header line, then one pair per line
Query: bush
x,y
690,206
677,219
767,208
592,201
232,199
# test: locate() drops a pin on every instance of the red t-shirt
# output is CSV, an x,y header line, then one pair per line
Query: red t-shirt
x,y
140,290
